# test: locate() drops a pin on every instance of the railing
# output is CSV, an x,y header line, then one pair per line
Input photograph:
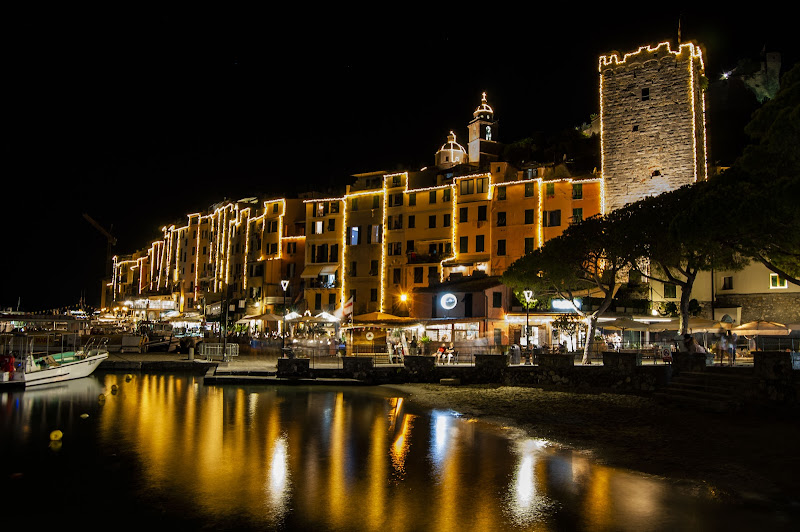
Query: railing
x,y
223,351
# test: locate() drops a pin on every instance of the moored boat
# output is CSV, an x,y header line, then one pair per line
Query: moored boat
x,y
32,364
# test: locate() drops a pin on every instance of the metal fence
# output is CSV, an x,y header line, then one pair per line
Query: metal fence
x,y
222,351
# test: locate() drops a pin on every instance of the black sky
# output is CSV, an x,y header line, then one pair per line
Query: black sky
x,y
138,117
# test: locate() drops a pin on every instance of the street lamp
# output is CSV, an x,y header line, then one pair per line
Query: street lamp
x,y
528,296
285,286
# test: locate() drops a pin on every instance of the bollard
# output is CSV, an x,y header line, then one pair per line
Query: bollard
x,y
191,353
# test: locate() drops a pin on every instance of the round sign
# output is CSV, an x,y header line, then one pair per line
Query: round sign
x,y
370,336
449,301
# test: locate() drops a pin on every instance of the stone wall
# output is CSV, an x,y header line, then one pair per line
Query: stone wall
x,y
772,306
653,142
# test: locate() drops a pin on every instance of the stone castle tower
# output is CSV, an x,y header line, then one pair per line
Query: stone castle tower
x,y
652,119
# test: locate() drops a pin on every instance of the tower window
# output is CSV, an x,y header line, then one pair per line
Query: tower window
x,y
636,128
645,94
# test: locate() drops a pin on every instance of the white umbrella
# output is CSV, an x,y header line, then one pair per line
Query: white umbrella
x,y
761,328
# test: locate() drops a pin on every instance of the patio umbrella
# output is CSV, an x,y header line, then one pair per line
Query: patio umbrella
x,y
761,328
625,324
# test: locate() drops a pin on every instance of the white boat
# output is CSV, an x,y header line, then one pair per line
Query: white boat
x,y
34,367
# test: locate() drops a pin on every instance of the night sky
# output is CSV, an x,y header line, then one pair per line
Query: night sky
x,y
139,117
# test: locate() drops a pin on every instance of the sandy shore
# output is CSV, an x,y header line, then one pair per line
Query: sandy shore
x,y
751,457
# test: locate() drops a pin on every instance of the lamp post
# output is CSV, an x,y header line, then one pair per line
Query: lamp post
x,y
528,296
285,286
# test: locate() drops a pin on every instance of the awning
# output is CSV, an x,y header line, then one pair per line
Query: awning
x,y
311,272
329,270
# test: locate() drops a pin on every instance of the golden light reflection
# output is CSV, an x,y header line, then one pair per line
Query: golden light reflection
x,y
401,445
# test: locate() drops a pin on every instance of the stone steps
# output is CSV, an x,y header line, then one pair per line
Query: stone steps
x,y
716,391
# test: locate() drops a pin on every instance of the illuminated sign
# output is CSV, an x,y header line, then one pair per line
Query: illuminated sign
x,y
448,301
563,304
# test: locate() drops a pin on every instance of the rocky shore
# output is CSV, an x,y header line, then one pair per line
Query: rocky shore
x,y
751,457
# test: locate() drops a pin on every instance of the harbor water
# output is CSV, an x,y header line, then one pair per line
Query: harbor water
x,y
163,451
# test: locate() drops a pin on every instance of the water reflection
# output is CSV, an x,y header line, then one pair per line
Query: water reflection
x,y
301,458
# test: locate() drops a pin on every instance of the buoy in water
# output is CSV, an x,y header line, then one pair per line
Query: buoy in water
x,y
56,435
84,416
113,388
101,398
128,377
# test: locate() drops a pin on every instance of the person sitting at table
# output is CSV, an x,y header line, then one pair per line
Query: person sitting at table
x,y
450,352
441,352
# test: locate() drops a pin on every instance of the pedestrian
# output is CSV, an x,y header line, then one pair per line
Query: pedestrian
x,y
691,344
729,346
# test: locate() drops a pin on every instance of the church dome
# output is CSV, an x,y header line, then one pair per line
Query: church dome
x,y
451,152
484,110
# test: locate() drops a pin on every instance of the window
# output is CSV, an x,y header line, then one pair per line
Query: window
x,y
433,273
577,191
432,221
550,189
317,301
273,248
334,207
355,237
332,225
776,281
316,228
373,294
396,275
432,197
354,204
528,189
409,246
446,220
412,221
412,199
501,219
481,184
645,94
418,275
670,291
332,301
551,218
354,269
398,200
501,248
462,215
467,186
373,268
529,245
727,283
479,243
481,213
501,193
463,244
446,194
376,202
577,215
375,234
529,216
497,299
636,128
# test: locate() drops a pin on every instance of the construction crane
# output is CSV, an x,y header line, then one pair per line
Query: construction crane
x,y
112,240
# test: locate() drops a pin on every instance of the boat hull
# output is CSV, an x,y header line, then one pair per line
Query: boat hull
x,y
67,371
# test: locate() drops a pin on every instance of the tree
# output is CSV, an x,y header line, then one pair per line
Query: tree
x,y
669,243
752,207
587,258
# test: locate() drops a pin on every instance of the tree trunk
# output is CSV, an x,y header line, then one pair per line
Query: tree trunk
x,y
592,319
686,296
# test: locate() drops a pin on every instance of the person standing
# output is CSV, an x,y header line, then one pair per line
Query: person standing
x,y
729,346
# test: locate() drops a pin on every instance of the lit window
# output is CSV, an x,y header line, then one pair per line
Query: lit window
x,y
501,193
776,281
645,94
727,283
577,191
528,189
